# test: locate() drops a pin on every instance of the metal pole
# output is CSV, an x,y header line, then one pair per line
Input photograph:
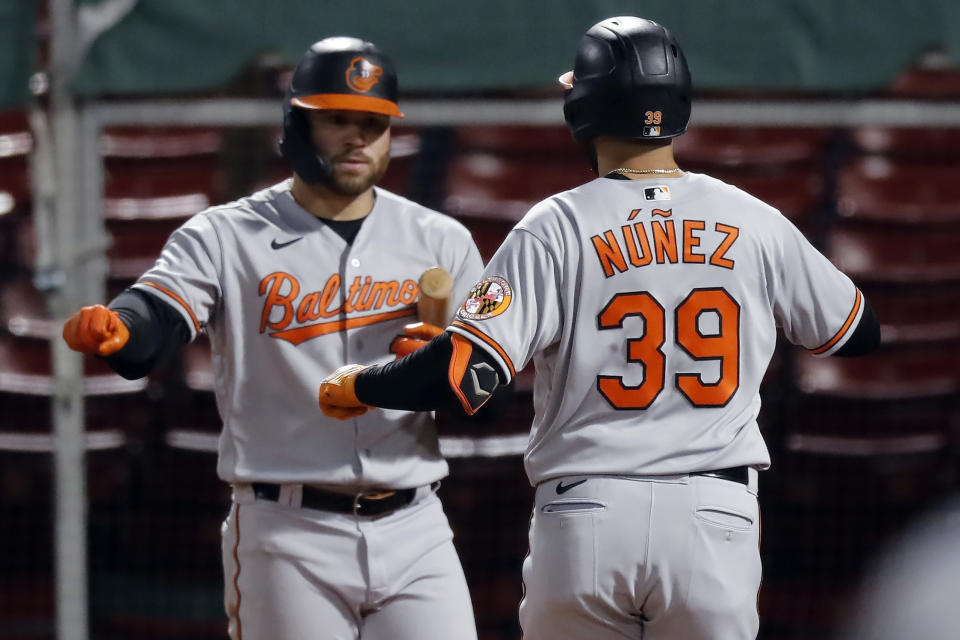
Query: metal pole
x,y
70,284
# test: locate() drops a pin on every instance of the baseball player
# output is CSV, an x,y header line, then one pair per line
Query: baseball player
x,y
335,530
649,301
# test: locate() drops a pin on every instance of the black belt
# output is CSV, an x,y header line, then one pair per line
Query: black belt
x,y
373,503
734,474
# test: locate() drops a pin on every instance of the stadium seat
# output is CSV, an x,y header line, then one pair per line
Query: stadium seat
x,y
155,563
488,502
893,413
26,368
796,193
198,364
160,172
145,143
916,311
23,310
28,602
891,253
490,192
135,246
923,144
16,143
404,160
152,190
929,79
705,148
881,189
502,187
543,141
894,371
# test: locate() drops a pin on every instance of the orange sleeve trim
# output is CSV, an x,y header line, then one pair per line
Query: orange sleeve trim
x,y
844,329
462,349
196,324
489,341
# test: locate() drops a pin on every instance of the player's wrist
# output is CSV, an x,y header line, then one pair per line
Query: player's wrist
x,y
361,386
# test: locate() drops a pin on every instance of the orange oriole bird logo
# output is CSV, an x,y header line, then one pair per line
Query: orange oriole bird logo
x,y
363,74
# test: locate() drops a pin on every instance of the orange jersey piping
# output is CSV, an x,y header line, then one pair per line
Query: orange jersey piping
x,y
843,330
196,324
489,341
459,359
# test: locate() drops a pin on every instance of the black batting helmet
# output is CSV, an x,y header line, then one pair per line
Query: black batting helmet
x,y
630,80
334,73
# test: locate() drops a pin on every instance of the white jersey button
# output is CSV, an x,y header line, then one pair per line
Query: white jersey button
x,y
355,262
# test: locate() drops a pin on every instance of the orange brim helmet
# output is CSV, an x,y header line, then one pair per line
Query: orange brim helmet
x,y
335,73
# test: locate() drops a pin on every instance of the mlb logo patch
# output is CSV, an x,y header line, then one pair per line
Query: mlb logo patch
x,y
659,192
651,131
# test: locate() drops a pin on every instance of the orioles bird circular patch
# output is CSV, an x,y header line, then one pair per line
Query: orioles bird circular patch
x,y
489,298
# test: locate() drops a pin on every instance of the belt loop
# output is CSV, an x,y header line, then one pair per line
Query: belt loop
x,y
243,493
291,495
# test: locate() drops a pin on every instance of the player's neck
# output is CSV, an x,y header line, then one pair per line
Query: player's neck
x,y
324,203
614,154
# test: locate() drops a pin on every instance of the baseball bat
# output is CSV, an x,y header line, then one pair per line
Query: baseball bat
x,y
436,285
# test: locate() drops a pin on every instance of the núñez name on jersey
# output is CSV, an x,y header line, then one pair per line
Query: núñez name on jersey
x,y
661,240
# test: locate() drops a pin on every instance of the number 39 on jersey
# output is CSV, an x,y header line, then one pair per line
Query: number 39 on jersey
x,y
646,350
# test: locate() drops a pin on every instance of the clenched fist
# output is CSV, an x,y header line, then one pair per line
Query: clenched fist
x,y
337,397
96,330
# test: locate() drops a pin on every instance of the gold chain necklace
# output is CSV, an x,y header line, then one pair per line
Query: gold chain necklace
x,y
645,171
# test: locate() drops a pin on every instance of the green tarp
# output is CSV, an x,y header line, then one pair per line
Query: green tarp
x,y
18,45
818,45
200,46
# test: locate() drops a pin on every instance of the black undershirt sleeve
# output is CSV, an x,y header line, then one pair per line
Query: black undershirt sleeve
x,y
865,338
418,382
156,331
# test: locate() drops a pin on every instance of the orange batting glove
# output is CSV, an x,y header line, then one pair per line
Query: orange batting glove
x,y
95,329
337,396
415,336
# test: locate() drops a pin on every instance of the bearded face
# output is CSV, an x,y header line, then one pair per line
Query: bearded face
x,y
356,144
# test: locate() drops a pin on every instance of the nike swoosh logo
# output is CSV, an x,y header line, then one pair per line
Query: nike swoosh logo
x,y
281,245
561,488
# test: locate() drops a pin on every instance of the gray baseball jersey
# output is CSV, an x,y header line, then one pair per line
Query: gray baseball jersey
x,y
285,301
650,310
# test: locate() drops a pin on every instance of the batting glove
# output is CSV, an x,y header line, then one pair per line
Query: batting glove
x,y
415,336
95,329
337,397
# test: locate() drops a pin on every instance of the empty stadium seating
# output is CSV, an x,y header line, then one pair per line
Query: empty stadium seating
x,y
711,147
916,311
798,193
932,78
885,190
923,144
16,143
23,310
904,254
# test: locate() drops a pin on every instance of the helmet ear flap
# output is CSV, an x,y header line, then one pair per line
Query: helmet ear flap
x,y
296,146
